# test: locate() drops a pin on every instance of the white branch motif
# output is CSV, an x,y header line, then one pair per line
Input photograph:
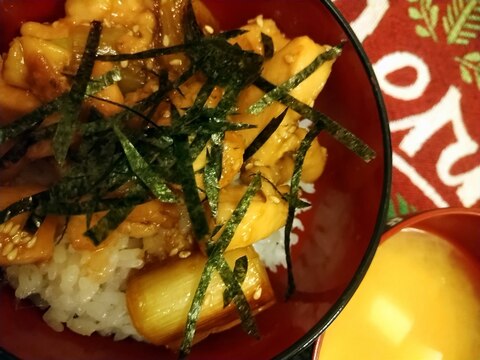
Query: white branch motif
x,y
424,126
418,180
366,23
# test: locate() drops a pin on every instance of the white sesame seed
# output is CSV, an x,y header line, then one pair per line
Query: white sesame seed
x,y
124,63
248,166
7,249
17,238
32,242
167,114
257,294
257,163
175,62
136,28
8,227
166,40
184,254
25,238
209,29
155,88
14,229
173,252
289,59
150,65
259,20
12,254
275,199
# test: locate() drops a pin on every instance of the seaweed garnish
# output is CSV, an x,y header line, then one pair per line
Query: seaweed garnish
x,y
337,131
70,109
213,171
151,161
215,252
264,135
293,199
276,93
268,47
186,177
240,272
143,170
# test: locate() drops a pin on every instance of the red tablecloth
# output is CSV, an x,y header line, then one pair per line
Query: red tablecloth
x,y
426,55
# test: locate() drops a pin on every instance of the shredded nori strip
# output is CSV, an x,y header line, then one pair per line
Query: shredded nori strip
x,y
240,271
142,169
106,224
293,196
112,156
276,93
186,177
30,120
100,83
234,290
345,137
191,29
213,171
70,110
268,47
264,135
215,252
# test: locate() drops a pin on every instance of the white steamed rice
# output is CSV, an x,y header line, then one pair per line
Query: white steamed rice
x,y
87,303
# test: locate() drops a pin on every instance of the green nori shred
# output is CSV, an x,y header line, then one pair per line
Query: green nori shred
x,y
234,290
100,83
215,252
276,93
213,171
230,34
195,110
22,206
229,229
240,272
293,196
146,54
186,177
264,135
17,151
112,155
198,144
224,63
106,224
127,108
142,169
268,47
31,120
191,29
71,108
342,135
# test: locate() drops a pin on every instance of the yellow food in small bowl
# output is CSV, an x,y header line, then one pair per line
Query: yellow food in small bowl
x,y
419,300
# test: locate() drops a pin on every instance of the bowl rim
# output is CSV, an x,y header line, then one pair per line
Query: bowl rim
x,y
400,223
312,335
412,220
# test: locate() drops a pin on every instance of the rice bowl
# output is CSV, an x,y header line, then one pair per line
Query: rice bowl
x,y
12,275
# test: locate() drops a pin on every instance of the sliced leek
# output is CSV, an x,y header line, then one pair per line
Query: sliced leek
x,y
159,299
